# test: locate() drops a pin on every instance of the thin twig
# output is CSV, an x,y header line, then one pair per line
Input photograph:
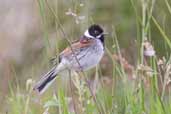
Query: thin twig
x,y
70,82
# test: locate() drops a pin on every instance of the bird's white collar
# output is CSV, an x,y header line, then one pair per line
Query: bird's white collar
x,y
88,35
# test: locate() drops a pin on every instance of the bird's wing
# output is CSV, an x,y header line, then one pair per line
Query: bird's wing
x,y
76,47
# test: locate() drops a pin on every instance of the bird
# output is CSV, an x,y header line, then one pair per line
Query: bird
x,y
81,55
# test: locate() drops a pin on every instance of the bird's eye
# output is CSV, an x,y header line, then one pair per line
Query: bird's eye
x,y
96,32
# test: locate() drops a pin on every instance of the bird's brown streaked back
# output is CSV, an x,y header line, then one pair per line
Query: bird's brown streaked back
x,y
78,45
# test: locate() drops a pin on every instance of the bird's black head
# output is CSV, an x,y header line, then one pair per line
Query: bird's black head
x,y
95,31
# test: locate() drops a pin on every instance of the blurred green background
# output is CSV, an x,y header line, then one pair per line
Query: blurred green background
x,y
31,33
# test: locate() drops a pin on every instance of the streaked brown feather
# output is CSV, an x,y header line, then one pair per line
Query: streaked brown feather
x,y
77,45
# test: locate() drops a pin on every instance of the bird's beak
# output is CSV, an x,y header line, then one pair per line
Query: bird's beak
x,y
105,34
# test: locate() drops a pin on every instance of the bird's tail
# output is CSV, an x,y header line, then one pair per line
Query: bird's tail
x,y
46,81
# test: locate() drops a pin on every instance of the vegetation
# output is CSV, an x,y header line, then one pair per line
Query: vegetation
x,y
133,77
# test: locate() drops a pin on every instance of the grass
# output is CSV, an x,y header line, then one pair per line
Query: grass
x,y
146,92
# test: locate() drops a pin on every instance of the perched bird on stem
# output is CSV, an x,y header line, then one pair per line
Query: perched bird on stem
x,y
80,56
